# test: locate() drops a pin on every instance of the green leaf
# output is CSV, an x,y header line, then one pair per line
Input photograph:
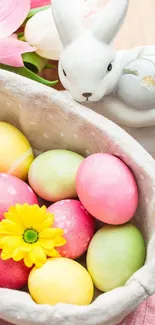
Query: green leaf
x,y
20,35
22,38
34,62
23,71
34,11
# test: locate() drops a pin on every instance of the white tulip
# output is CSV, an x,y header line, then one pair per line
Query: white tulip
x,y
41,32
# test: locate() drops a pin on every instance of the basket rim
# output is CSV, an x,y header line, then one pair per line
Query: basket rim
x,y
16,83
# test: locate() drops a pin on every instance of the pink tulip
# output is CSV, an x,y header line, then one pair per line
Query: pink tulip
x,y
39,3
13,36
12,15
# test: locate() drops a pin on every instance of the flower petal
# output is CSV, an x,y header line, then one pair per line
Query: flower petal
x,y
21,251
12,15
47,223
10,242
10,227
39,3
19,220
27,261
51,243
11,50
32,216
17,255
37,255
13,215
24,247
47,243
51,233
60,241
4,232
6,255
14,36
52,252
41,32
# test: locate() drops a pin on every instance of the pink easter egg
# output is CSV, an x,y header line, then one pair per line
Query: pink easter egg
x,y
107,188
14,275
78,226
12,191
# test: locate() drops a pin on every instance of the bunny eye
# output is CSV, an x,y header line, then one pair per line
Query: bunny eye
x,y
64,72
109,68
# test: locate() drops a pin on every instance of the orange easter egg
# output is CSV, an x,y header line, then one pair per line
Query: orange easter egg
x,y
16,154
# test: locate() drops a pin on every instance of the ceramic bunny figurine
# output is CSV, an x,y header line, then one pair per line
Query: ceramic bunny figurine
x,y
117,84
88,67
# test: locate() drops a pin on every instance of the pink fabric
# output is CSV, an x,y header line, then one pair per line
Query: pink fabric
x,y
144,315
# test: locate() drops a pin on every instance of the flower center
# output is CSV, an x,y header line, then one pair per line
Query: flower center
x,y
30,236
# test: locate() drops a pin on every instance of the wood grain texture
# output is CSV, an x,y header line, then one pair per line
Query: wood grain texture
x,y
139,27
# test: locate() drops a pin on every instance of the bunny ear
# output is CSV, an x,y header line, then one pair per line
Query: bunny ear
x,y
109,20
68,20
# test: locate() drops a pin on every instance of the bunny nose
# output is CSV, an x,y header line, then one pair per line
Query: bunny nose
x,y
87,95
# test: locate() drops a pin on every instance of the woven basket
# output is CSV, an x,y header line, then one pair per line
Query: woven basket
x,y
49,120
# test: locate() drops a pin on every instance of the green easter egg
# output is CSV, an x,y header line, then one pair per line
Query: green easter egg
x,y
114,254
52,175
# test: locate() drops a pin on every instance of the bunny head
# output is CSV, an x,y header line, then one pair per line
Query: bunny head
x,y
88,68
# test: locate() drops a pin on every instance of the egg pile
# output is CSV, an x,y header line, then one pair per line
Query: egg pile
x,y
81,193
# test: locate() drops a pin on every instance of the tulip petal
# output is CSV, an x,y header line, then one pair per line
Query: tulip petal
x,y
40,31
34,11
11,50
39,3
14,36
12,15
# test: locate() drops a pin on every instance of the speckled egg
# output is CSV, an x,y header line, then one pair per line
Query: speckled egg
x,y
13,275
107,188
52,175
61,280
12,191
78,226
114,254
16,154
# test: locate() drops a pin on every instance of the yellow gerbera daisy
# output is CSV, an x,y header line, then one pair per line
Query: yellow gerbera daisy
x,y
26,233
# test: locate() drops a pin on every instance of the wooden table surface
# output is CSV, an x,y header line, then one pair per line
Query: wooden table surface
x,y
139,25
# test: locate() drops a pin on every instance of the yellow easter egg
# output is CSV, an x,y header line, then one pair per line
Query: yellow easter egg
x,y
61,280
16,154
